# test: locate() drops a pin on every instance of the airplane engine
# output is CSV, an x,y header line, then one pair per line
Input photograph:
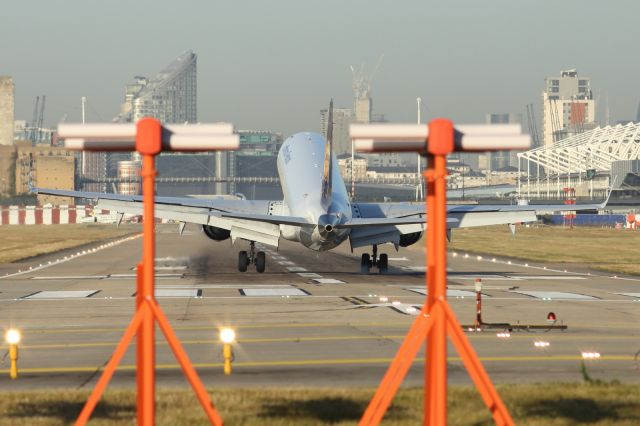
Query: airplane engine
x,y
409,239
215,233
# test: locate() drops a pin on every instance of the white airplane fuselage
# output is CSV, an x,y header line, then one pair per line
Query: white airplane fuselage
x,y
300,168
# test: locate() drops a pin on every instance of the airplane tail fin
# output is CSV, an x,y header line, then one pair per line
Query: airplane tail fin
x,y
328,162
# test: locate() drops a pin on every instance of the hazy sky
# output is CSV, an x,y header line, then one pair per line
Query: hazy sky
x,y
275,64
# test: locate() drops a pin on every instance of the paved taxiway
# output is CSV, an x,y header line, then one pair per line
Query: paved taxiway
x,y
325,333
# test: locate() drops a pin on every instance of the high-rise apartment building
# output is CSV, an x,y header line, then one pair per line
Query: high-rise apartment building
x,y
568,106
342,118
500,160
171,96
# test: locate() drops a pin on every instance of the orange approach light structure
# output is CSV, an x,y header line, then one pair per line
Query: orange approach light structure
x,y
149,138
436,319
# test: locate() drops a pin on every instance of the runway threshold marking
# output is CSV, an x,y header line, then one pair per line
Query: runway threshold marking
x,y
60,294
555,295
261,292
312,362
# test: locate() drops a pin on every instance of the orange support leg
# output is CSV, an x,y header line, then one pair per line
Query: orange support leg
x,y
187,368
110,368
477,372
139,396
397,370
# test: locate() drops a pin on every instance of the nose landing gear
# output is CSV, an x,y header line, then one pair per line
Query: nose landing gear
x,y
252,258
367,261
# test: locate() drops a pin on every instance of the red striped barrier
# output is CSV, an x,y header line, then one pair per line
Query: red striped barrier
x,y
55,215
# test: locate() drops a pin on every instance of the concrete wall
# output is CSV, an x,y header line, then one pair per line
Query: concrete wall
x,y
6,110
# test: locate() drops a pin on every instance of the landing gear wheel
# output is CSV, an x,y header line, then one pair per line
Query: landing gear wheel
x,y
243,261
383,263
260,262
365,263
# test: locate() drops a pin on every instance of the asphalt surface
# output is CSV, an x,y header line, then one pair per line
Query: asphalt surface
x,y
299,332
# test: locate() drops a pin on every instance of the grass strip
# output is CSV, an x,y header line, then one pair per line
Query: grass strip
x,y
25,241
535,405
604,249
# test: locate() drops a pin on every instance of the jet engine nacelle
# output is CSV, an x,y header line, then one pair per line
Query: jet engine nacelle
x,y
409,239
215,233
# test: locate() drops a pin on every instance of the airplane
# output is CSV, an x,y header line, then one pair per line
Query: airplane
x,y
316,211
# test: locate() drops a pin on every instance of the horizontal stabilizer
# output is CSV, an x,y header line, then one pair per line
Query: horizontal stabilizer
x,y
386,221
268,218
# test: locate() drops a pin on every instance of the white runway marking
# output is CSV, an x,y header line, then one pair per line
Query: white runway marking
x,y
327,281
72,277
399,259
272,292
507,277
484,277
309,275
556,295
636,295
129,276
62,294
170,268
450,292
220,286
415,268
296,269
549,277
286,262
195,292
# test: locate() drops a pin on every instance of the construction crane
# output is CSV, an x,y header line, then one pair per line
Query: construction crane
x,y
32,134
362,81
555,121
533,128
37,121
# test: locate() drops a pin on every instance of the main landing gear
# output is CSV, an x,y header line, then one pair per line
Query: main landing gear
x,y
367,261
252,258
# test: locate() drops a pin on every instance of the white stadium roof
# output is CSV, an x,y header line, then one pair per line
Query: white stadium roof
x,y
594,149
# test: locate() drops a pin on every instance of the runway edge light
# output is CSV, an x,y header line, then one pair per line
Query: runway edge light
x,y
12,337
227,337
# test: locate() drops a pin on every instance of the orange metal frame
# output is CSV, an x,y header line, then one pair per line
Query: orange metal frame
x,y
436,319
148,312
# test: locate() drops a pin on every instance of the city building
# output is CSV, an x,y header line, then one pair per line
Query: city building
x,y
342,118
44,167
171,96
500,159
7,170
359,168
256,158
568,107
6,110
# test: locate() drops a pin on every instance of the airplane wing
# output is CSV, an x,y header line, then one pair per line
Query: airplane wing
x,y
458,216
256,220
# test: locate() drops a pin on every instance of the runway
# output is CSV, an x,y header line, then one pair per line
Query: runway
x,y
310,320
